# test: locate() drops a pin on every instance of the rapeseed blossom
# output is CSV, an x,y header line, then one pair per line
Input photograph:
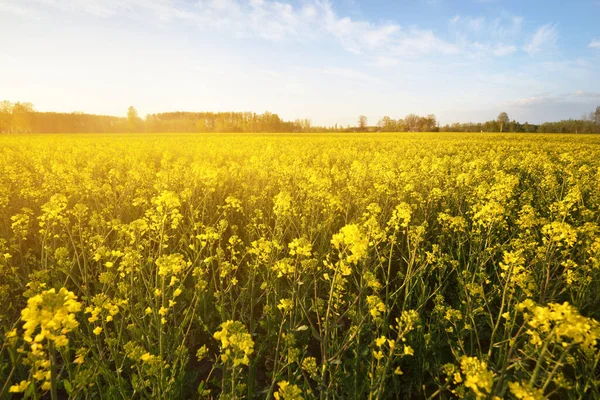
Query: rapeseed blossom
x,y
288,391
236,343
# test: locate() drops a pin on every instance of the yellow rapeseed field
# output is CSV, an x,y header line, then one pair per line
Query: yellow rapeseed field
x,y
363,266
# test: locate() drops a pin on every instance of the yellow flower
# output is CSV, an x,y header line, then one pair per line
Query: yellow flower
x,y
53,313
477,377
380,341
376,306
300,247
20,387
285,305
351,239
97,330
201,353
523,392
236,343
172,264
288,392
309,364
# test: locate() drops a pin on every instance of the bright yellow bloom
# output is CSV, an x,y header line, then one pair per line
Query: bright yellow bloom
x,y
53,313
288,392
523,392
236,343
20,387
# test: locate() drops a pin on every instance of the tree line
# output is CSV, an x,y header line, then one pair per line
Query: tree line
x,y
23,118
589,123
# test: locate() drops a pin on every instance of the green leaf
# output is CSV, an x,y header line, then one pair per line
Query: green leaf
x,y
29,392
68,386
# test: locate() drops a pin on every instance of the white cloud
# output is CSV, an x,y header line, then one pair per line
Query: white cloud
x,y
18,9
268,19
481,36
534,100
383,61
504,50
595,44
348,73
544,39
585,95
277,20
579,96
504,27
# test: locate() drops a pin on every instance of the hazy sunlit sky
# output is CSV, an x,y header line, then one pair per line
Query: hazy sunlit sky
x,y
325,60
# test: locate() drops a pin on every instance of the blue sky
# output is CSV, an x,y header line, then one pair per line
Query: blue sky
x,y
325,60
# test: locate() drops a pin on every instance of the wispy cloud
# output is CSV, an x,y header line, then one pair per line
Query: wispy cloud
x,y
582,94
595,44
18,9
579,96
481,36
348,73
544,39
268,19
421,42
504,50
503,27
534,100
382,42
274,20
383,61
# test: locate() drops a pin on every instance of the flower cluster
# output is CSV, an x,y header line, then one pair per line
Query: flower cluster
x,y
288,391
560,323
353,242
236,343
48,318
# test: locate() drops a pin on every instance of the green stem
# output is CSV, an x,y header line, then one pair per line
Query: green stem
x,y
53,392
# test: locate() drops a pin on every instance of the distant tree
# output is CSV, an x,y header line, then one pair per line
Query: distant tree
x,y
503,120
400,125
597,115
430,123
302,125
412,122
21,117
6,108
387,124
362,123
132,114
133,119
